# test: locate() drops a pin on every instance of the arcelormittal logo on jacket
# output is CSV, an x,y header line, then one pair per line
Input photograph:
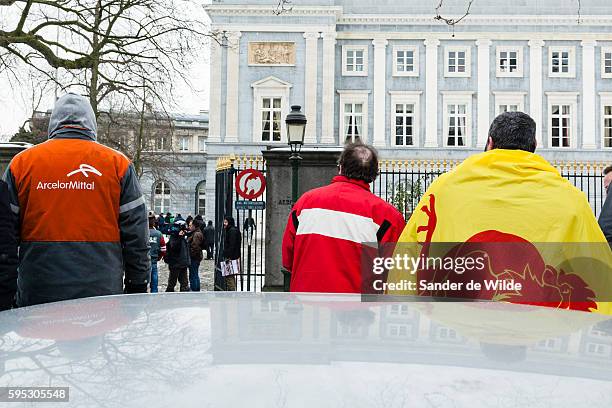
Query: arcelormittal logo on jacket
x,y
84,169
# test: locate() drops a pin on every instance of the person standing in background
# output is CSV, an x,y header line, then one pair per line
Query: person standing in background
x,y
209,240
157,252
196,241
177,257
231,248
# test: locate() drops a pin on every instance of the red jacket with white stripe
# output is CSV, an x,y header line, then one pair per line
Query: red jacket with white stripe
x,y
322,245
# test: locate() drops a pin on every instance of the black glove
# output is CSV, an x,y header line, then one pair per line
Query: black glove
x,y
132,288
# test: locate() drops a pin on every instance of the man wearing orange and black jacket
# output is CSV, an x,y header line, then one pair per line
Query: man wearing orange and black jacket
x,y
62,192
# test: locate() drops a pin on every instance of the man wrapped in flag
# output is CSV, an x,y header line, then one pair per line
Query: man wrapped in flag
x,y
533,234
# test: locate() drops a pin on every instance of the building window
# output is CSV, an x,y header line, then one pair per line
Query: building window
x,y
398,330
509,102
509,62
445,333
457,124
355,60
185,143
271,109
554,344
457,119
457,62
162,143
399,310
405,61
353,116
270,100
562,62
597,349
607,125
404,124
201,144
606,62
353,122
404,118
508,108
161,197
562,119
201,199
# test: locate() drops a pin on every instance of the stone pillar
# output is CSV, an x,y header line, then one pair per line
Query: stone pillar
x,y
535,86
329,73
588,94
431,92
380,74
317,168
214,115
231,100
483,91
310,86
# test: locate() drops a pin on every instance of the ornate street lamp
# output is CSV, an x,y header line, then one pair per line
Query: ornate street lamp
x,y
296,128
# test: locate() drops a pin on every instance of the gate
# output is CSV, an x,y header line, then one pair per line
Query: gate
x,y
251,223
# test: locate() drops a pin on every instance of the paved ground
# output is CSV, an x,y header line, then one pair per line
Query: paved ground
x,y
207,270
206,275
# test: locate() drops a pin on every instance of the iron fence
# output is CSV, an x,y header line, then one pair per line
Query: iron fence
x,y
401,183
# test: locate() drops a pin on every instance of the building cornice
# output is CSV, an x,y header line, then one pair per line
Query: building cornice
x,y
419,19
268,10
479,20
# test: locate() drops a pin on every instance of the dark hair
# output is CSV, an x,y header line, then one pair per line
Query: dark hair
x,y
359,161
513,131
209,222
607,170
197,223
152,222
230,221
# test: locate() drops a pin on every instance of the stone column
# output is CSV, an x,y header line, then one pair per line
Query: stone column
x,y
214,115
588,95
483,91
310,86
431,92
329,73
535,86
380,74
231,100
317,168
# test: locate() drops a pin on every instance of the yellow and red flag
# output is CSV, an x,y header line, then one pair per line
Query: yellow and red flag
x,y
532,225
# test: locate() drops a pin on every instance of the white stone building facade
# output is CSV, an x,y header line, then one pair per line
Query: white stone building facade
x,y
392,76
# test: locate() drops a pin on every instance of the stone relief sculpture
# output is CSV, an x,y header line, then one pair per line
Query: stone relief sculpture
x,y
271,53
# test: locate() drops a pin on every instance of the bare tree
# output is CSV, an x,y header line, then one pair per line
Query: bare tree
x,y
452,22
125,55
283,6
104,47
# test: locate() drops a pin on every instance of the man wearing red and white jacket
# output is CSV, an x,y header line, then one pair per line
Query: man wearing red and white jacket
x,y
328,227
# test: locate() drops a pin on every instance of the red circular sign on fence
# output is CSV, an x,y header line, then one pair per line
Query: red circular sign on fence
x,y
250,184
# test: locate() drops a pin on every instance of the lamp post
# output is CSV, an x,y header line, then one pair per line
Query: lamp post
x,y
296,128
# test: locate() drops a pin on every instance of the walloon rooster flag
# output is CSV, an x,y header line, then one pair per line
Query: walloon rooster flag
x,y
523,234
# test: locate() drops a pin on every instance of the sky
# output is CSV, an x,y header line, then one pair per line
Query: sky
x,y
16,99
